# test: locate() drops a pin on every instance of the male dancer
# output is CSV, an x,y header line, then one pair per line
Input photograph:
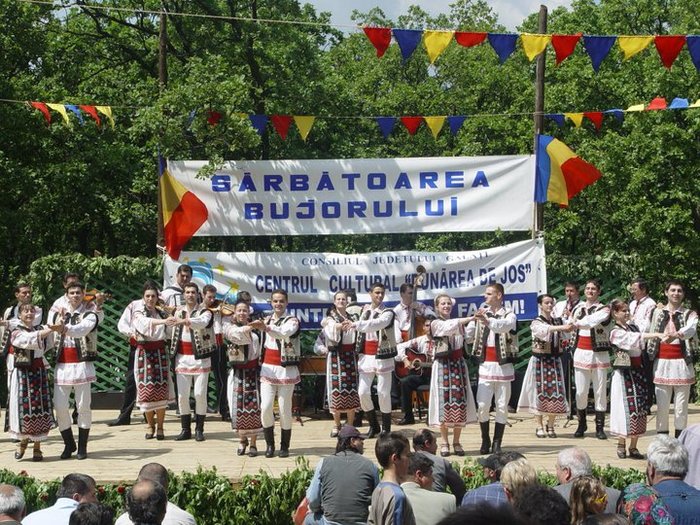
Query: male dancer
x,y
641,308
219,361
174,295
565,307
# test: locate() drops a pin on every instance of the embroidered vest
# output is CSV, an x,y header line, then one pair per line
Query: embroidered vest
x,y
506,344
24,358
600,334
289,347
386,338
660,318
86,346
159,314
236,354
203,340
5,332
622,359
551,346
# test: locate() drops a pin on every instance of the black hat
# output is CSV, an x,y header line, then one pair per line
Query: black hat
x,y
348,431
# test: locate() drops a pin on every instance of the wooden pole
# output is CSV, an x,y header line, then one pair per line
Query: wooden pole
x,y
538,222
162,82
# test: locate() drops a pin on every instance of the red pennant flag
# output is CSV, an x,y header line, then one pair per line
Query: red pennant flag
x,y
44,109
469,39
657,103
213,117
380,38
281,124
411,124
596,117
669,46
92,111
564,45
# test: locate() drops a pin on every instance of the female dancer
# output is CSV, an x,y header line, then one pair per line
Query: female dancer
x,y
243,392
451,400
341,363
628,388
543,391
154,386
29,406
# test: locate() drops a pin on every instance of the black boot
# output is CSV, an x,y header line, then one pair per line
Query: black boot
x,y
485,439
199,427
284,442
662,432
599,424
357,420
374,428
678,433
497,437
123,419
582,426
269,433
386,423
186,432
83,434
69,442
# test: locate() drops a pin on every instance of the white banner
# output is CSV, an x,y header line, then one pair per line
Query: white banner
x,y
403,195
311,279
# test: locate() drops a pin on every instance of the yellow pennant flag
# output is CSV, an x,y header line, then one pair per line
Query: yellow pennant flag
x,y
576,118
533,45
696,104
107,112
62,110
436,42
631,45
304,125
636,107
435,124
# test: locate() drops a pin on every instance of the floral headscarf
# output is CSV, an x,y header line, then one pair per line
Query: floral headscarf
x,y
643,506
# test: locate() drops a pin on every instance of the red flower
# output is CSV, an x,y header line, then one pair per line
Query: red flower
x,y
121,489
23,473
643,504
44,497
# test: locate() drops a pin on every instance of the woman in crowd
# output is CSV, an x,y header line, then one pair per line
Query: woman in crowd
x,y
587,497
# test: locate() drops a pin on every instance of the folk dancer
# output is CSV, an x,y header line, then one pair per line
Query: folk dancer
x,y
493,333
174,295
75,370
641,308
218,359
279,371
152,382
417,370
341,363
628,388
192,344
376,344
451,400
544,392
591,357
242,345
673,357
29,407
564,308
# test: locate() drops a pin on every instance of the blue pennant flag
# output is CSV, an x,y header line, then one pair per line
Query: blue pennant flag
x,y
556,117
617,113
386,124
258,122
78,113
693,43
408,40
456,122
598,48
503,44
679,103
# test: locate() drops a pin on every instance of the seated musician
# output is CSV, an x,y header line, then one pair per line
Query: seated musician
x,y
415,356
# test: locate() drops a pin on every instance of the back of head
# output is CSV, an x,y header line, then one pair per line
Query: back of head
x,y
587,497
516,476
12,501
146,503
389,444
542,505
155,472
423,439
483,514
72,484
606,519
91,514
668,456
419,463
576,460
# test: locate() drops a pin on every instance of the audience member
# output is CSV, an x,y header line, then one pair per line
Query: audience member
x,y
91,514
642,505
542,505
516,476
483,514
12,506
606,519
667,465
74,489
690,438
389,503
146,503
572,463
342,486
444,475
587,497
428,506
493,493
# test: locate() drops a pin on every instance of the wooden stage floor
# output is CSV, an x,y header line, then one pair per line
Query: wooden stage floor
x,y
116,454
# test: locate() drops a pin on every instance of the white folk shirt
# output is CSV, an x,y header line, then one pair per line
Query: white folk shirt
x,y
125,324
83,372
22,338
277,374
187,364
492,370
588,359
143,328
677,371
369,363
641,312
403,314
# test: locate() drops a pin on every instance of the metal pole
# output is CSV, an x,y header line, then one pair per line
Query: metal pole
x,y
538,225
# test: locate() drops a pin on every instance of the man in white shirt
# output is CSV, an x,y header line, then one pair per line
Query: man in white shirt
x,y
75,489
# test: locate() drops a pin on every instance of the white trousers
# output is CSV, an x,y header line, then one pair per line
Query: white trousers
x,y
663,406
83,398
485,393
284,394
383,391
583,378
184,385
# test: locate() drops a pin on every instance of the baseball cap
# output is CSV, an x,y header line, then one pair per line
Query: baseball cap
x,y
348,431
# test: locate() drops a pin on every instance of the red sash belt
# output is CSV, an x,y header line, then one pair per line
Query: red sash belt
x,y
491,356
219,339
132,342
584,343
185,348
37,364
249,365
347,348
404,335
636,361
669,351
455,354
371,347
69,355
151,346
272,357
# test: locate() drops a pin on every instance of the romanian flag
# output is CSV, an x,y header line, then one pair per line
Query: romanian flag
x,y
560,173
183,212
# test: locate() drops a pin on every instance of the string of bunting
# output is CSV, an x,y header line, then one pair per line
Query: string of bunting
x,y
76,109
596,46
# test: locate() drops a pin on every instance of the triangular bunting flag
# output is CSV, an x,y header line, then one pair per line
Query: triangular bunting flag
x,y
107,112
695,104
679,103
636,107
468,39
617,113
598,48
92,111
596,117
693,43
44,111
258,122
380,38
564,45
503,44
455,122
533,45
386,125
412,124
281,124
631,45
556,117
669,47
213,117
576,118
435,124
436,42
64,114
657,103
304,125
74,109
408,40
